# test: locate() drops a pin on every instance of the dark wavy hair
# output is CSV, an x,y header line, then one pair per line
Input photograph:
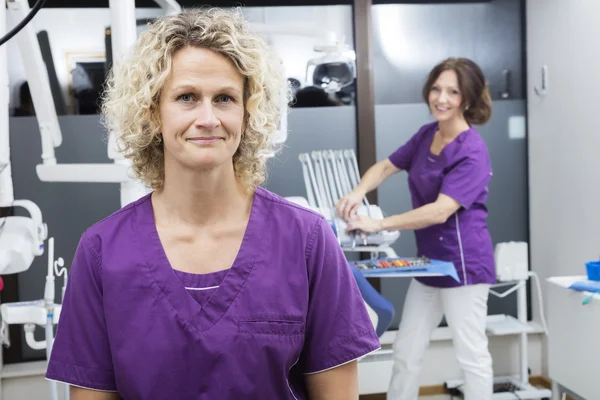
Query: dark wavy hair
x,y
477,102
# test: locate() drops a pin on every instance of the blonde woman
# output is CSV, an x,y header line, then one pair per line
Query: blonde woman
x,y
210,287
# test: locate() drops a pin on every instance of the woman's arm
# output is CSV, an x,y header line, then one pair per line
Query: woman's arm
x,y
376,175
347,205
425,216
77,393
338,328
340,383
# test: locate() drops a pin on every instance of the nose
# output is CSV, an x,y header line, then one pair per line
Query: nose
x,y
206,117
443,97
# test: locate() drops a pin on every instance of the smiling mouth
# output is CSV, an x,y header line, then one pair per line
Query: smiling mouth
x,y
443,109
205,140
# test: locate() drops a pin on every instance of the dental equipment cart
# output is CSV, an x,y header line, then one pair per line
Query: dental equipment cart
x,y
334,174
573,325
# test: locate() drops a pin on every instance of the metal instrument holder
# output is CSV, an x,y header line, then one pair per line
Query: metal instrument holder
x,y
328,176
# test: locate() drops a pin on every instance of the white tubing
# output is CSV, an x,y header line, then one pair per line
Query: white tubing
x,y
352,172
330,176
50,257
309,191
49,341
30,340
322,178
343,172
7,195
336,174
351,156
311,173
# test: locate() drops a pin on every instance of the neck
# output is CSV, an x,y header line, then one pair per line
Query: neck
x,y
449,130
201,199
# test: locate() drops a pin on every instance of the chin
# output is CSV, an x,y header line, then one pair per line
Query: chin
x,y
208,163
442,117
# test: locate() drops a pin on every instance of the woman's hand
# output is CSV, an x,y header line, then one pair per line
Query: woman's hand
x,y
347,205
364,224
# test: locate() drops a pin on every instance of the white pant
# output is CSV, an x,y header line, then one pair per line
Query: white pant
x,y
465,308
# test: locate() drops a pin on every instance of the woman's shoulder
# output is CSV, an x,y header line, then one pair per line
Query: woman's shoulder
x,y
293,211
119,224
427,129
472,143
295,207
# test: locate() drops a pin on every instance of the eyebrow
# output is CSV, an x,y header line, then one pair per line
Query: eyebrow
x,y
192,88
448,87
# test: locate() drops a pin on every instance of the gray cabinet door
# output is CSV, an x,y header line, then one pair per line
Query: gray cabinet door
x,y
564,172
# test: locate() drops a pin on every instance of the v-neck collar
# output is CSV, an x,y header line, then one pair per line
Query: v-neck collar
x,y
441,156
171,287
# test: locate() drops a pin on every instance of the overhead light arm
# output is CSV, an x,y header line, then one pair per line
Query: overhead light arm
x,y
39,83
124,35
169,6
6,186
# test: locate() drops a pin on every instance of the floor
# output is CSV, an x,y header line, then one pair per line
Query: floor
x,y
436,397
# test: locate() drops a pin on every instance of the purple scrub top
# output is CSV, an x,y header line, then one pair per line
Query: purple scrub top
x,y
461,171
288,306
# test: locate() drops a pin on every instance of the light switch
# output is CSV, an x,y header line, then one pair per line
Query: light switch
x,y
516,127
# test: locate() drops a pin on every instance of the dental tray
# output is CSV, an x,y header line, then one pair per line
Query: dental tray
x,y
405,267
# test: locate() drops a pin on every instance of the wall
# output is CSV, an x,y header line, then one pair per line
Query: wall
x,y
310,129
409,39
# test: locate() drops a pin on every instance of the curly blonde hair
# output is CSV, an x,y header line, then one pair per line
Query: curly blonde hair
x,y
133,89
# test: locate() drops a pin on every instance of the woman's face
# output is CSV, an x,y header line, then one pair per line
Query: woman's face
x,y
201,110
445,98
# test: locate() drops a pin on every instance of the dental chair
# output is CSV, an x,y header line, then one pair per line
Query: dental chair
x,y
335,173
381,310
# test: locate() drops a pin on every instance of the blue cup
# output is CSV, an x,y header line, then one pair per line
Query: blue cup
x,y
593,270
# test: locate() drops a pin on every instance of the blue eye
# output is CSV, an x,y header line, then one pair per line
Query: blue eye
x,y
225,99
186,98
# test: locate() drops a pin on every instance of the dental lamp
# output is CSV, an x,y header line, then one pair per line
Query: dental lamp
x,y
333,70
